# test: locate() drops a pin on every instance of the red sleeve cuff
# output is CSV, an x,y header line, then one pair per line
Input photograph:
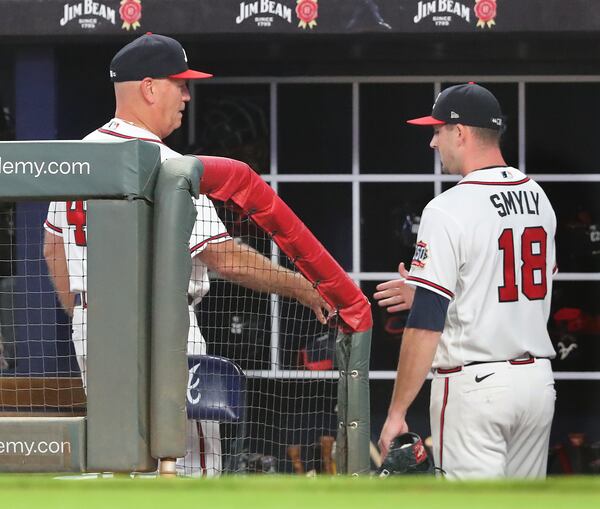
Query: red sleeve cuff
x,y
221,237
53,228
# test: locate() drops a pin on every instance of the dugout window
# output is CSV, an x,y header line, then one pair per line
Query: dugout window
x,y
339,148
574,325
561,130
388,144
314,128
387,332
344,159
326,209
233,121
235,323
578,224
390,218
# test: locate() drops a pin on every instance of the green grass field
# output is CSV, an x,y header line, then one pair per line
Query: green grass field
x,y
40,492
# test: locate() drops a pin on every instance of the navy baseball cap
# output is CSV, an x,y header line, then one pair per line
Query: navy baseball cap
x,y
469,104
152,56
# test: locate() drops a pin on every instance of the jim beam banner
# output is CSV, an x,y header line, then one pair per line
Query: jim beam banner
x,y
306,18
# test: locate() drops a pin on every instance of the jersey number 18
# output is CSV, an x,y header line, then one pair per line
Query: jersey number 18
x,y
533,258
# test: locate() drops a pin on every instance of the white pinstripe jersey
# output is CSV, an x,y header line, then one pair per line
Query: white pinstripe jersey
x,y
487,245
70,217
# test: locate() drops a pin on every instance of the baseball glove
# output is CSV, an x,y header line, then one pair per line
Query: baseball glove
x,y
407,455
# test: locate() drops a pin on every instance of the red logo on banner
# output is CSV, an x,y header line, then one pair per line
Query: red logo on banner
x,y
485,10
307,12
131,13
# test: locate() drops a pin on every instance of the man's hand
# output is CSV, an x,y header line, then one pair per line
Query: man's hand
x,y
309,297
395,295
394,425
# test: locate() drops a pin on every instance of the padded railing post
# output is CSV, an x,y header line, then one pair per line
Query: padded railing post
x,y
175,214
354,422
359,411
343,348
119,279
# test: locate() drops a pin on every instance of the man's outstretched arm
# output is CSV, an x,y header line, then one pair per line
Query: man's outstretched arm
x,y
242,264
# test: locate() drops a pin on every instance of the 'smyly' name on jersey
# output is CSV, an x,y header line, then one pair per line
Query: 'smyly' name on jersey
x,y
262,7
516,202
425,9
87,8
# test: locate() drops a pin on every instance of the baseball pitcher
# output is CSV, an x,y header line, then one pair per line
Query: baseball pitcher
x,y
479,290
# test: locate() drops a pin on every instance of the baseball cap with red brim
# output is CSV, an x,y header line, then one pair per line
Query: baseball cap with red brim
x,y
425,121
469,104
152,56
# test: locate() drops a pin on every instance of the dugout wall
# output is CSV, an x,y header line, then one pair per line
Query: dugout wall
x,y
138,279
119,184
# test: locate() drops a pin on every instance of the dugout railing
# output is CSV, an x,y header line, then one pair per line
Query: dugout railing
x,y
137,365
235,183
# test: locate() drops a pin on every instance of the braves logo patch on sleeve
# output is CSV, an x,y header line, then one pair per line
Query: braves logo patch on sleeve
x,y
421,255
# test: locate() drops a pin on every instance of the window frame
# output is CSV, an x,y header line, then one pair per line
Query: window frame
x,y
356,178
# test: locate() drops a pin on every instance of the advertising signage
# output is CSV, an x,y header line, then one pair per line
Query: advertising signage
x,y
60,18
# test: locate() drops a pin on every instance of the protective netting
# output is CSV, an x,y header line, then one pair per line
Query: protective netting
x,y
287,415
39,374
262,381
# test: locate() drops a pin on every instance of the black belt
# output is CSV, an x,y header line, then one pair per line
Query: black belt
x,y
81,300
514,362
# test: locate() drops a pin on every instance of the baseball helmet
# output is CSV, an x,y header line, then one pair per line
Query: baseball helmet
x,y
406,456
